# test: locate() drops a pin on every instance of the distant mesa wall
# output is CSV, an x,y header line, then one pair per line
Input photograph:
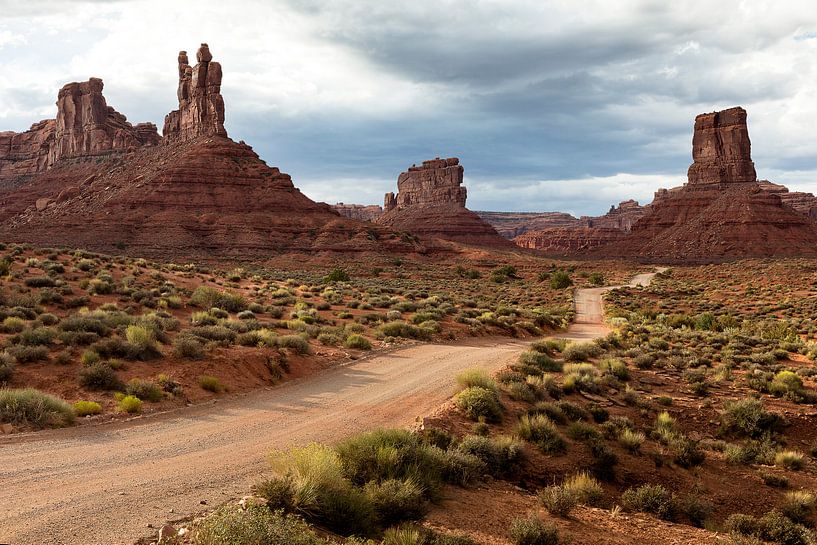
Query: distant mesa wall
x,y
621,217
513,224
363,212
201,106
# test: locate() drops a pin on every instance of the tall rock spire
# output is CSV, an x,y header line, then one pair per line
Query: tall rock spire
x,y
201,106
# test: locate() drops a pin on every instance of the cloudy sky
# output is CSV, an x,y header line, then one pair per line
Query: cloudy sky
x,y
550,105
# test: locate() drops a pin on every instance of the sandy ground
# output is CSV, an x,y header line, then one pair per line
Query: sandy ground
x,y
103,484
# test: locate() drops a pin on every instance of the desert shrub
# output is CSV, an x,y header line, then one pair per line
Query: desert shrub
x,y
256,525
142,342
357,341
631,440
543,362
7,363
557,500
86,408
329,339
615,367
532,531
596,279
187,346
650,498
12,324
696,509
130,404
541,431
501,455
336,275
478,403
775,526
772,479
581,431
396,500
320,490
215,333
686,452
296,343
476,377
577,352
30,407
738,523
211,383
599,413
790,459
207,297
40,282
799,506
38,336
99,376
404,330
585,488
560,280
521,391
144,390
752,451
749,418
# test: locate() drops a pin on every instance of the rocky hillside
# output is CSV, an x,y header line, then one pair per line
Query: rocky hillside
x,y
90,179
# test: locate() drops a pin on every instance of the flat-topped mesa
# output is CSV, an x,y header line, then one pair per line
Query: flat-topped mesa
x,y
621,217
438,181
201,106
85,125
721,150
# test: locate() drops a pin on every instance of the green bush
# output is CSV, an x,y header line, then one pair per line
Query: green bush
x,y
532,531
296,343
142,342
501,455
7,363
799,506
396,500
336,275
257,525
40,282
778,528
540,430
404,330
207,297
187,346
130,404
144,390
30,407
12,324
357,341
85,408
99,376
653,499
478,403
749,418
27,354
211,384
583,351
543,362
560,280
558,500
476,377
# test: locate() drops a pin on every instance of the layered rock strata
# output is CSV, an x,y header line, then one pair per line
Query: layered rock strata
x,y
363,212
430,203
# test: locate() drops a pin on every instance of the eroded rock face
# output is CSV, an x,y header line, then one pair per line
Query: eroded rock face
x,y
430,203
568,240
85,125
363,212
621,217
438,181
805,203
201,106
513,224
721,150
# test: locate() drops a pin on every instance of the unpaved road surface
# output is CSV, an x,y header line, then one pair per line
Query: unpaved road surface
x,y
589,321
103,484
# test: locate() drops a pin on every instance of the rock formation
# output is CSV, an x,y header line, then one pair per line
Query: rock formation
x,y
621,217
85,125
513,224
201,106
89,179
721,150
430,202
363,212
722,212
805,203
566,241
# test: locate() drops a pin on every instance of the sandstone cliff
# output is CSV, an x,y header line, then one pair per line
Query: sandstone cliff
x,y
363,212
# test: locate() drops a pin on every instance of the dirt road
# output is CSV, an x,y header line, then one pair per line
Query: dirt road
x,y
589,321
103,484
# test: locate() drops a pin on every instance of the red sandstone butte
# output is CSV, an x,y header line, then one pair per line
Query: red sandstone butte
x,y
90,179
430,203
722,211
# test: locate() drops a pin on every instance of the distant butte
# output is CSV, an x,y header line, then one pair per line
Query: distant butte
x,y
430,203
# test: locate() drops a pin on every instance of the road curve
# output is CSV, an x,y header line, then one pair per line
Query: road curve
x,y
102,484
589,321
